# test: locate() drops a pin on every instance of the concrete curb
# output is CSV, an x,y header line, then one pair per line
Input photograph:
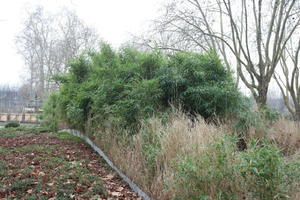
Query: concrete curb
x,y
131,184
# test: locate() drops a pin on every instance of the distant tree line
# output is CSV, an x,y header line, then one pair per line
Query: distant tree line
x,y
47,42
11,99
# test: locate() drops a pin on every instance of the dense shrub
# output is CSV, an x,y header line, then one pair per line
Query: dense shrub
x,y
264,172
200,83
121,88
12,124
51,112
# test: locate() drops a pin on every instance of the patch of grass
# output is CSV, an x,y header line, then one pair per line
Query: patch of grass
x,y
2,150
33,129
67,136
286,134
22,130
52,162
66,183
88,179
98,188
2,169
74,176
73,169
32,197
32,148
8,132
27,171
21,185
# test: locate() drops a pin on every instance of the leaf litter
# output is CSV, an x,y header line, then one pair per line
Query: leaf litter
x,y
42,166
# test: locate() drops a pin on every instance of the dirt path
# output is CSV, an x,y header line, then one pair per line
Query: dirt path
x,y
55,166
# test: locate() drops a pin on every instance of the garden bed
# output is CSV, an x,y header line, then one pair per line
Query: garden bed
x,y
54,166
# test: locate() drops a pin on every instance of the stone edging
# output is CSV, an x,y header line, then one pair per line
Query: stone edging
x,y
131,184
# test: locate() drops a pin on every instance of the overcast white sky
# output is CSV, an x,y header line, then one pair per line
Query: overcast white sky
x,y
113,19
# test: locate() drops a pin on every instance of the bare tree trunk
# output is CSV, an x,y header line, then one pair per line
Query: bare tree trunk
x,y
297,114
261,99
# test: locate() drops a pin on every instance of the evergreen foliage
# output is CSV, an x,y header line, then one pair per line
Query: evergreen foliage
x,y
13,124
123,87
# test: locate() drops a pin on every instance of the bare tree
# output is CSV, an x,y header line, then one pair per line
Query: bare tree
x,y
287,77
250,34
47,42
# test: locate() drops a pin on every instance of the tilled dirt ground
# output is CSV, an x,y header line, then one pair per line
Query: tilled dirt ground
x,y
55,166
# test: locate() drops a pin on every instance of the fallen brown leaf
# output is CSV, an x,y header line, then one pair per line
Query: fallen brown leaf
x,y
29,191
42,174
116,194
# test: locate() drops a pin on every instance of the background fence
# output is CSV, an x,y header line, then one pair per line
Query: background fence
x,y
13,101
